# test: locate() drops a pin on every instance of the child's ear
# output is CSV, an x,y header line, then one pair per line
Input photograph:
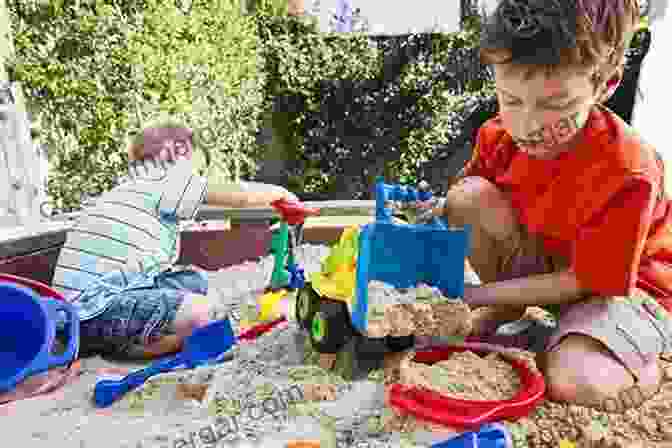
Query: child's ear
x,y
609,88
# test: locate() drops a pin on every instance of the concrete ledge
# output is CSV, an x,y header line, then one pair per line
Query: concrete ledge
x,y
244,215
327,208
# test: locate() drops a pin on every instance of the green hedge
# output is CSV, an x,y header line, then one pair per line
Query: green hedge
x,y
349,112
95,70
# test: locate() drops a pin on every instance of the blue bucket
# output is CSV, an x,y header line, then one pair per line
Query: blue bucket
x,y
28,332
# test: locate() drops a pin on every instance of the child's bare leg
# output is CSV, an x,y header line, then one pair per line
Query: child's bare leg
x,y
602,381
480,204
605,351
167,345
195,312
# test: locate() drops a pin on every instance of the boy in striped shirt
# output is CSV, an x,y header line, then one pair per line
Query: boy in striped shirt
x,y
116,265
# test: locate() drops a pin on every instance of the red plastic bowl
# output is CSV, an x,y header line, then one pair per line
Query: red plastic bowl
x,y
39,287
468,414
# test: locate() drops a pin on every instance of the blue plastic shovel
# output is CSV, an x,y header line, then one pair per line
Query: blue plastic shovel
x,y
205,344
491,435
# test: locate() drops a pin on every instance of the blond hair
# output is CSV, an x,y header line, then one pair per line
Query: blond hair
x,y
136,143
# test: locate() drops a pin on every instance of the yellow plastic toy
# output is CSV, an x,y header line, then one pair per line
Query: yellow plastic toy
x,y
337,280
268,308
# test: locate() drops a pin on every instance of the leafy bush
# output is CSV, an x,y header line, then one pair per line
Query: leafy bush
x,y
355,106
203,67
77,78
349,107
93,70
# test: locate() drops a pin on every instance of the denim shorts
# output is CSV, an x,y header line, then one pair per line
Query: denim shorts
x,y
140,314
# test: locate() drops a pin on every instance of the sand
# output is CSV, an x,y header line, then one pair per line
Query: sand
x,y
256,393
550,423
467,376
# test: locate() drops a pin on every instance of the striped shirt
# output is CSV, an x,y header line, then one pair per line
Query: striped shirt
x,y
131,228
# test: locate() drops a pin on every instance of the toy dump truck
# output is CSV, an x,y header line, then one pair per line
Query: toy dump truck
x,y
333,305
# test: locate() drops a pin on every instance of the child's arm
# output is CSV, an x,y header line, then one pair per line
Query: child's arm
x,y
606,257
242,196
539,290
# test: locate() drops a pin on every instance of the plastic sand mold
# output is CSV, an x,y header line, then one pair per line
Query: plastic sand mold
x,y
470,414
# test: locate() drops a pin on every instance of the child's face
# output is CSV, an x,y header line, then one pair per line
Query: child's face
x,y
544,114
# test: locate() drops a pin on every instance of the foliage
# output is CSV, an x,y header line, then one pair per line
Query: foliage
x,y
203,67
76,76
94,70
355,106
349,106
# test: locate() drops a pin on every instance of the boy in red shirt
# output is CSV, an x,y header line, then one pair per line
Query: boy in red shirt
x,y
566,202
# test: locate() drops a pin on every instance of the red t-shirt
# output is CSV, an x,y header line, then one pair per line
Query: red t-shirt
x,y
601,205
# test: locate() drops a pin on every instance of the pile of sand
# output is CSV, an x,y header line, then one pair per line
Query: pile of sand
x,y
466,375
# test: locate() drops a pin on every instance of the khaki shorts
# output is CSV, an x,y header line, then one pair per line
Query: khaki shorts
x,y
635,329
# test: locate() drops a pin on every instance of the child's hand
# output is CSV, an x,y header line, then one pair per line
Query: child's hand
x,y
281,193
271,192
433,209
289,196
247,194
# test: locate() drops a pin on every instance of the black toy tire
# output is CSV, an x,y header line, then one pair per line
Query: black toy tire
x,y
313,301
332,318
371,348
400,343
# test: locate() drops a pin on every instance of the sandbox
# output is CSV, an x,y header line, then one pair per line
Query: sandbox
x,y
201,408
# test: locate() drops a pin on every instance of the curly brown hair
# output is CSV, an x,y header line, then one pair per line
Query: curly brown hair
x,y
534,35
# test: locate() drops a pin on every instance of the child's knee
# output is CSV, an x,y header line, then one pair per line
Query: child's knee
x,y
196,311
477,201
560,385
466,194
595,377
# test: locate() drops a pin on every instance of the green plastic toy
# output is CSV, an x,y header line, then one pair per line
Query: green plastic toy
x,y
282,256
